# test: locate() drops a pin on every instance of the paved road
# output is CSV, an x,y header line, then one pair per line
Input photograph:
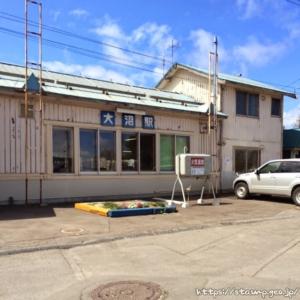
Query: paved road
x,y
264,256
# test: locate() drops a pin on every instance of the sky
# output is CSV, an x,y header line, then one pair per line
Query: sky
x,y
259,39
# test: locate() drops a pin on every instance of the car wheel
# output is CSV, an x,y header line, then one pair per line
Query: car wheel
x,y
296,196
241,190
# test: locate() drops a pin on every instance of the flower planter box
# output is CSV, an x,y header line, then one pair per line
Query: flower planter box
x,y
126,208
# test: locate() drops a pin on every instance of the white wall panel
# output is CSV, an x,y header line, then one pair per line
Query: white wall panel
x,y
2,136
12,138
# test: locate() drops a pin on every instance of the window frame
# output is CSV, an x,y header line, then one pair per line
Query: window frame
x,y
101,172
155,153
98,171
97,150
30,111
137,153
72,151
247,149
76,156
247,104
280,107
175,135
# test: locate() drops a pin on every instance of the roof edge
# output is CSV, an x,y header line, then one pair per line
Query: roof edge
x,y
176,66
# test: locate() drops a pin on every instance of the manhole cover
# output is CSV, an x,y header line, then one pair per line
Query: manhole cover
x,y
128,290
75,231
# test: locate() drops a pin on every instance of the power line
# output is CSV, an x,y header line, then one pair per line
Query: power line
x,y
99,56
17,19
81,51
296,2
92,53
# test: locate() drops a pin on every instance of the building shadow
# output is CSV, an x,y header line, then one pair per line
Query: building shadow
x,y
19,212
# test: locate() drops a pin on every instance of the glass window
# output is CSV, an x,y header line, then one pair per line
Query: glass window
x,y
246,160
147,149
107,151
253,105
276,107
167,153
88,150
240,161
62,150
182,144
272,167
247,104
252,160
30,111
129,151
241,103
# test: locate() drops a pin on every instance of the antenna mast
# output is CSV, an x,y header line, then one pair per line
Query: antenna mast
x,y
215,83
212,122
31,32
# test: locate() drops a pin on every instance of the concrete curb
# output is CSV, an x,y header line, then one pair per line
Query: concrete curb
x,y
113,238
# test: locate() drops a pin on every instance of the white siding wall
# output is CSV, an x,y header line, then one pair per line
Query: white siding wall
x,y
88,115
12,138
264,133
192,85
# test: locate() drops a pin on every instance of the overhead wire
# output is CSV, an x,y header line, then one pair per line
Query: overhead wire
x,y
95,54
296,2
82,51
14,18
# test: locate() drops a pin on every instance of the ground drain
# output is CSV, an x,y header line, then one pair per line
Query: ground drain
x,y
128,290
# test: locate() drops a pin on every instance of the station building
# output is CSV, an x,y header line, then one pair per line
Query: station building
x,y
93,139
97,140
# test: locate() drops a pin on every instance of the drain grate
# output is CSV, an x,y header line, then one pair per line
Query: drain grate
x,y
128,290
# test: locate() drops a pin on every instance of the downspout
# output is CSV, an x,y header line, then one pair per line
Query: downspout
x,y
221,138
281,121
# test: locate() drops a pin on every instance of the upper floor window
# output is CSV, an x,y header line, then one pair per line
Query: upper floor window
x,y
276,107
247,104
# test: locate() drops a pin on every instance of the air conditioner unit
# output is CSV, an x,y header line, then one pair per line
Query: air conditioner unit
x,y
193,165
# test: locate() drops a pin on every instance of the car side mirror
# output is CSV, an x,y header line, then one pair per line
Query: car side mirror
x,y
257,172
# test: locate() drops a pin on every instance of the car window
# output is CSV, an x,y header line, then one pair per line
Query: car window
x,y
272,167
290,167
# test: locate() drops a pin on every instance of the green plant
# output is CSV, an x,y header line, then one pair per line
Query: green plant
x,y
110,205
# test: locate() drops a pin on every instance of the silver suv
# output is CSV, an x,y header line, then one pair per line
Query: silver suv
x,y
277,177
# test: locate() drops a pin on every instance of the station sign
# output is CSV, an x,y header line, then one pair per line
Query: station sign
x,y
148,122
128,120
108,118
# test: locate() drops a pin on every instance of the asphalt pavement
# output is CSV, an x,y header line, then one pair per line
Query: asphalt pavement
x,y
34,228
243,247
